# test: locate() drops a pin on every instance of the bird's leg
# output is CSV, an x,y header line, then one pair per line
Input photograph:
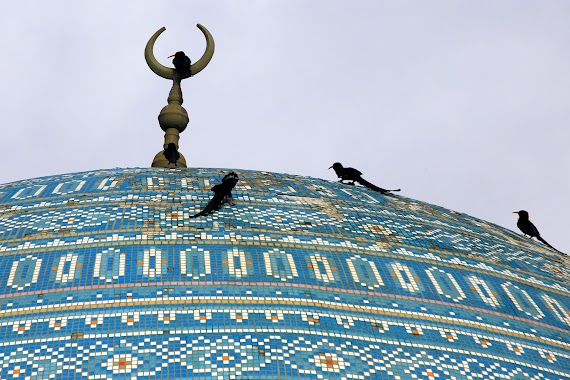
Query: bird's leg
x,y
232,202
351,183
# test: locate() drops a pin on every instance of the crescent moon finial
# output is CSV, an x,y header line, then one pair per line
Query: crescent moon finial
x,y
173,118
208,54
158,68
168,73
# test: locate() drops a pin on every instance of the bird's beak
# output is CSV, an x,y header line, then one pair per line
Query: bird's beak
x,y
170,56
330,168
515,212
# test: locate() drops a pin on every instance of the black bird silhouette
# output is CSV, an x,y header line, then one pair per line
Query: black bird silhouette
x,y
171,154
527,228
182,63
222,193
351,174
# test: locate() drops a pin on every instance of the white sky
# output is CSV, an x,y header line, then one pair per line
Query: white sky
x,y
465,104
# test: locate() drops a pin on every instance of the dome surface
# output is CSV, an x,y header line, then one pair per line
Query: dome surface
x,y
104,275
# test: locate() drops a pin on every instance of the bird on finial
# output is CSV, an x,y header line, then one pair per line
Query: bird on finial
x,y
525,225
351,174
182,63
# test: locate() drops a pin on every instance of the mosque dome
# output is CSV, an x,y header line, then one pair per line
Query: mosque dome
x,y
105,275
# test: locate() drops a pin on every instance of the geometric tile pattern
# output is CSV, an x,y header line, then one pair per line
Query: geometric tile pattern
x,y
104,275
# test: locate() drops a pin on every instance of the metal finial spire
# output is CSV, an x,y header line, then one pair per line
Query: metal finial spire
x,y
173,118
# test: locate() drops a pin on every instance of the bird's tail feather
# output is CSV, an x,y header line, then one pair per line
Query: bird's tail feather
x,y
198,214
207,210
546,243
212,206
371,186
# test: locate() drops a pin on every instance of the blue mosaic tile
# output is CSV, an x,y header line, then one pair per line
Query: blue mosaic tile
x,y
105,275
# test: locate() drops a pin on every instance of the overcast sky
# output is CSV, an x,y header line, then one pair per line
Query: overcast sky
x,y
465,104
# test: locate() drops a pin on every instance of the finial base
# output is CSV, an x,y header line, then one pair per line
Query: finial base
x,y
160,161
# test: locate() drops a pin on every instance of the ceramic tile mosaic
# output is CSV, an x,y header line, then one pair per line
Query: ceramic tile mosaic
x,y
104,275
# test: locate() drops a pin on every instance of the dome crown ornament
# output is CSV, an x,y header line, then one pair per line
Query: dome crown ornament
x,y
173,118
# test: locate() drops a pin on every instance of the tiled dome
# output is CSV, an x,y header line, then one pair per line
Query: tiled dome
x,y
104,275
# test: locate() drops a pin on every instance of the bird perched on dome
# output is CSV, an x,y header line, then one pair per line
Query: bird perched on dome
x,y
182,63
351,174
525,225
171,154
222,193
